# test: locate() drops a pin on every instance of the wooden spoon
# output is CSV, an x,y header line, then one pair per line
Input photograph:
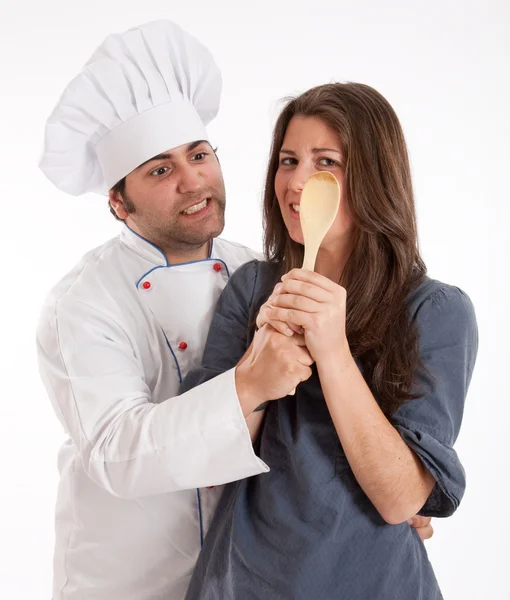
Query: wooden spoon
x,y
320,200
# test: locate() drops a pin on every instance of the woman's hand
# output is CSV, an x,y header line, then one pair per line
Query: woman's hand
x,y
264,317
313,302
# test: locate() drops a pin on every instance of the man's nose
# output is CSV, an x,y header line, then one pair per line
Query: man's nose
x,y
190,180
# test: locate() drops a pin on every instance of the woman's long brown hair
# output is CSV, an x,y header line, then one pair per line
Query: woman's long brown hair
x,y
385,264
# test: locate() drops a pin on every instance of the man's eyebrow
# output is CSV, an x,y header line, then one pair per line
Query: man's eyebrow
x,y
195,144
164,156
169,155
314,150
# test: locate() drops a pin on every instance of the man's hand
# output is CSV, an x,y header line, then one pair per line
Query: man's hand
x,y
423,526
275,365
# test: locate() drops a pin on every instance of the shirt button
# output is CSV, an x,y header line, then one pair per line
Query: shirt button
x,y
183,346
217,267
146,285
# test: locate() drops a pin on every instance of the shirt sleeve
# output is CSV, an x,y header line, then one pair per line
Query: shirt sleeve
x,y
127,444
448,344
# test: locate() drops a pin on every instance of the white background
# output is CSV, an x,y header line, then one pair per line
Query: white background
x,y
442,64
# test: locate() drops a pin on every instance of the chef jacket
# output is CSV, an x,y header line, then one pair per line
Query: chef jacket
x,y
142,469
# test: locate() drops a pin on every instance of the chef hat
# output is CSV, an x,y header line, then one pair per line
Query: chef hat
x,y
147,90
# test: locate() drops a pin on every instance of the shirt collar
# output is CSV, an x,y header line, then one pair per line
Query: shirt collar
x,y
147,249
142,247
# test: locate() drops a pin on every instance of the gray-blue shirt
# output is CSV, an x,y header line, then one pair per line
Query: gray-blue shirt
x,y
306,530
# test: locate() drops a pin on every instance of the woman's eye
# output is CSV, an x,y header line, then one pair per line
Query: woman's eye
x,y
328,162
288,161
159,171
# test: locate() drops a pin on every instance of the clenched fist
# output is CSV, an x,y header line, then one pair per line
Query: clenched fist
x,y
273,367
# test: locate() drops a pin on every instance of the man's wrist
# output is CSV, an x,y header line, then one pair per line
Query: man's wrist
x,y
247,392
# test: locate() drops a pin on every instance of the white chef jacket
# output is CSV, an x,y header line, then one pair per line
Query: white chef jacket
x,y
115,338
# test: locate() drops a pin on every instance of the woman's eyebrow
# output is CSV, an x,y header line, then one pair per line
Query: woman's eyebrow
x,y
314,150
317,150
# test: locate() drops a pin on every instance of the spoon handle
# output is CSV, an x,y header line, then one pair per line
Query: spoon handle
x,y
310,257
309,264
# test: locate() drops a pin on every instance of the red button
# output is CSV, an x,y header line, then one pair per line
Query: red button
x,y
217,267
146,285
183,346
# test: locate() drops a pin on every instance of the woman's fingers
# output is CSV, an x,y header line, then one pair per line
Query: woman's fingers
x,y
305,289
294,318
265,317
310,277
298,303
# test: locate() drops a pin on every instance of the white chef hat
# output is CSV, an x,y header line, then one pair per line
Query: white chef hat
x,y
147,90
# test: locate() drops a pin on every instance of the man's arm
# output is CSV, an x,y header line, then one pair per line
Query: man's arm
x,y
128,445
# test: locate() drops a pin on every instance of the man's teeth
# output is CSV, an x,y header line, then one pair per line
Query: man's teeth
x,y
296,207
195,208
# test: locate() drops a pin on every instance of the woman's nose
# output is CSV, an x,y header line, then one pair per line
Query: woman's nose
x,y
299,177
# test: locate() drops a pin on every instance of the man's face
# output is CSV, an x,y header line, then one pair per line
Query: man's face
x,y
175,200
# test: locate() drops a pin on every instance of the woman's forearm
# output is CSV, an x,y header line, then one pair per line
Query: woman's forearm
x,y
389,472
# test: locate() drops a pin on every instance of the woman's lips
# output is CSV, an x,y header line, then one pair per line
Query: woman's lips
x,y
293,214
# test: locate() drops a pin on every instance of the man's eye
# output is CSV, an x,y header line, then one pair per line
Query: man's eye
x,y
159,171
200,156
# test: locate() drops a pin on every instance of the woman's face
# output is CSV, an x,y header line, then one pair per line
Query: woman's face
x,y
309,146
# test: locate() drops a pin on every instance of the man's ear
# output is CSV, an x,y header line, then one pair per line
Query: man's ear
x,y
117,204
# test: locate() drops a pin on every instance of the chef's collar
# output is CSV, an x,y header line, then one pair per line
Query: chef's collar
x,y
143,247
146,249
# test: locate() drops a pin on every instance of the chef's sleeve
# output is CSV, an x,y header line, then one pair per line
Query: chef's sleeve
x,y
127,444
